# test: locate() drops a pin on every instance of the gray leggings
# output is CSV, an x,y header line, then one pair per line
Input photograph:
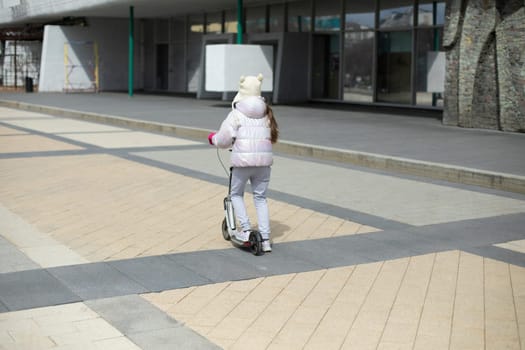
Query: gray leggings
x,y
259,179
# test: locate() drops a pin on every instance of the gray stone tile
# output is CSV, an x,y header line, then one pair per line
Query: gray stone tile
x,y
279,261
412,241
172,338
159,273
3,308
338,211
146,325
131,314
12,259
214,265
500,254
379,251
323,253
4,242
480,232
33,288
98,280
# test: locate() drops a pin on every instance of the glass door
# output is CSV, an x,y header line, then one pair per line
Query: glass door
x,y
394,67
162,66
325,66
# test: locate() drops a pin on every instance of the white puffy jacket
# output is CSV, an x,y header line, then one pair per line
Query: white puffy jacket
x,y
248,125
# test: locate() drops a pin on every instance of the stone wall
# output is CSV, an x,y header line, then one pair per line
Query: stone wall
x,y
485,79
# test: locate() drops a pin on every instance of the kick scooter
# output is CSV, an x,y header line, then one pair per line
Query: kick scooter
x,y
229,227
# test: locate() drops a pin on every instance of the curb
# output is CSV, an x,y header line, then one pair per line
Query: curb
x,y
437,171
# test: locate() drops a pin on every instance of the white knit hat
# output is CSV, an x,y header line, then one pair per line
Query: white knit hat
x,y
248,86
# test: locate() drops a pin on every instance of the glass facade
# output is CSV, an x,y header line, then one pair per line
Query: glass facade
x,y
358,70
177,54
360,19
327,15
300,16
375,51
395,14
360,15
193,51
230,21
276,18
214,23
428,48
255,21
394,63
431,13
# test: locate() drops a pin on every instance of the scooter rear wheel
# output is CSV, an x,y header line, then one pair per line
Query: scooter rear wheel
x,y
225,233
256,243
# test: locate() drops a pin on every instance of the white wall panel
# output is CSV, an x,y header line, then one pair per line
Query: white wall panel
x,y
112,53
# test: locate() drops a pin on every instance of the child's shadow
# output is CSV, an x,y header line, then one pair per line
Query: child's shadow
x,y
278,228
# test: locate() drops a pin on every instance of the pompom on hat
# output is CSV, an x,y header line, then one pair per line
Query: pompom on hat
x,y
248,86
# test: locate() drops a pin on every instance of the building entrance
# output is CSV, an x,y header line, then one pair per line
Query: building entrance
x,y
325,66
162,66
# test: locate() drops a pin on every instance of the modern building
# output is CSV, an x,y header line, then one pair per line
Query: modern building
x,y
355,51
374,52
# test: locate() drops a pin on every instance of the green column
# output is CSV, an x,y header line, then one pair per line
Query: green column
x,y
240,27
131,41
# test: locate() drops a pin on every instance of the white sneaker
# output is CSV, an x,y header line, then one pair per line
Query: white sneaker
x,y
266,246
242,235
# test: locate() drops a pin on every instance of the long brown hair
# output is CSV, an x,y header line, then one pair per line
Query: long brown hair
x,y
274,128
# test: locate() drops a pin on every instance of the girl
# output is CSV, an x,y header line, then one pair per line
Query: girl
x,y
250,129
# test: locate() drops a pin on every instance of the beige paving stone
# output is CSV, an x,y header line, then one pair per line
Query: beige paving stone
x,y
11,113
97,211
218,308
20,328
293,335
502,329
431,342
196,300
350,227
282,307
518,287
394,346
335,324
293,222
39,247
120,343
362,338
224,343
400,332
517,246
30,342
5,131
54,255
232,328
61,125
469,316
309,227
69,326
164,300
256,341
367,229
468,338
55,328
383,305
32,143
126,139
5,338
323,342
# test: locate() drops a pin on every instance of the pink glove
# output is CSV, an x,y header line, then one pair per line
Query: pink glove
x,y
210,137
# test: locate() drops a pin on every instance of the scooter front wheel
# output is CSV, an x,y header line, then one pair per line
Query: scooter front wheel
x,y
256,243
225,233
